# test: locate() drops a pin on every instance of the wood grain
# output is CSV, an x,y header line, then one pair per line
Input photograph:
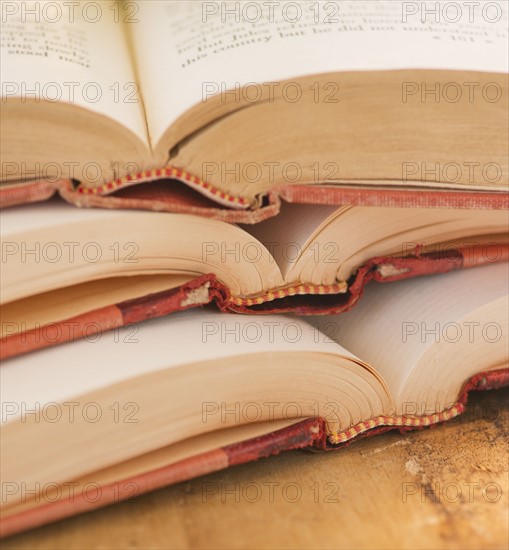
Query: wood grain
x,y
445,487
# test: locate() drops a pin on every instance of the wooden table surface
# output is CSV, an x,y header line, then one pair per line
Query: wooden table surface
x,y
445,487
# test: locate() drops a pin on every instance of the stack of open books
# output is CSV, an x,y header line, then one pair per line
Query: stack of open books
x,y
291,166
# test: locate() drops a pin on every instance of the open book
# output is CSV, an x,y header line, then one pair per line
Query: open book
x,y
199,391
68,274
359,102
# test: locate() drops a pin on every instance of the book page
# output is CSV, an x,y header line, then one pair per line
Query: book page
x,y
74,52
394,324
286,239
71,370
188,51
58,245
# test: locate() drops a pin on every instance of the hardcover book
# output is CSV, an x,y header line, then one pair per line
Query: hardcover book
x,y
192,107
250,158
198,391
68,274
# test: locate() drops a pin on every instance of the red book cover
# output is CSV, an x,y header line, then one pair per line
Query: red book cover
x,y
174,190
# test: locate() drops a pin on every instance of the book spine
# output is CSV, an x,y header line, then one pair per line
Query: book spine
x,y
319,194
301,300
34,191
371,195
333,299
490,380
173,189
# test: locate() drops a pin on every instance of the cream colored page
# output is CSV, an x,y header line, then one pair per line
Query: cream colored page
x,y
190,50
54,212
64,372
395,323
285,236
51,245
74,52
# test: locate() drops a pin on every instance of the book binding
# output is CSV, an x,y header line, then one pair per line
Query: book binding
x,y
206,289
173,189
